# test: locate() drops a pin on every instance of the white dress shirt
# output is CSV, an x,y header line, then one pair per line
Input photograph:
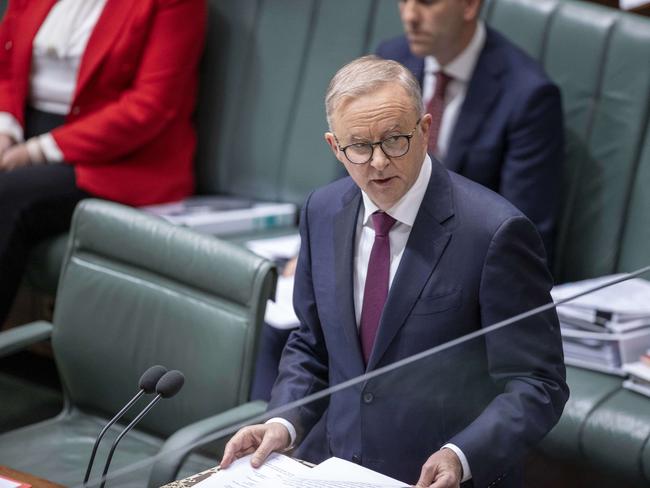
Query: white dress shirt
x,y
460,69
404,212
56,54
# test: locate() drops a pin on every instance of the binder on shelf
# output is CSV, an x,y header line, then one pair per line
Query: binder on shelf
x,y
603,351
639,380
608,328
219,215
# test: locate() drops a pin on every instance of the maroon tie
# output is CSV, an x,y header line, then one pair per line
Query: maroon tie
x,y
436,107
376,289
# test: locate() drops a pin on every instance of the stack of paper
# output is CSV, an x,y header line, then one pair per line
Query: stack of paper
x,y
605,329
280,471
225,215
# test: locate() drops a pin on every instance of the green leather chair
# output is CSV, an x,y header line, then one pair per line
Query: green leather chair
x,y
136,291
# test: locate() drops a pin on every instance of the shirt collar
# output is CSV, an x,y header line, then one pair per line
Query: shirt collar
x,y
462,66
406,209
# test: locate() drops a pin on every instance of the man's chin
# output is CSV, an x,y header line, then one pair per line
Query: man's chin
x,y
418,45
419,49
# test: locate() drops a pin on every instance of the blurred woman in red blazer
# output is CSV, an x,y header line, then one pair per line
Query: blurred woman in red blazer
x,y
96,99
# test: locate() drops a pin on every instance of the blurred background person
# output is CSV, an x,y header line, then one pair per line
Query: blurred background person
x,y
497,118
96,100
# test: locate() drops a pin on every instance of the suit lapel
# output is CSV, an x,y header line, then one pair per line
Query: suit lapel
x,y
106,31
415,66
483,91
424,248
345,224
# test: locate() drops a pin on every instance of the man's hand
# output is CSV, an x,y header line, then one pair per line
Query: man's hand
x,y
441,470
5,143
14,157
261,439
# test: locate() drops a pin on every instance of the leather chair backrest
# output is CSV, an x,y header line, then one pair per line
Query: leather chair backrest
x,y
635,250
599,58
137,291
261,113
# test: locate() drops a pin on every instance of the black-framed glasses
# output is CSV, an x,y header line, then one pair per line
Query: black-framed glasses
x,y
393,147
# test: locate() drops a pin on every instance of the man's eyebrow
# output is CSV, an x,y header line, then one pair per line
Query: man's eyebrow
x,y
395,129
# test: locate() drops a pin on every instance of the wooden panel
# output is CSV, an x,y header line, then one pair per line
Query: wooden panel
x,y
27,478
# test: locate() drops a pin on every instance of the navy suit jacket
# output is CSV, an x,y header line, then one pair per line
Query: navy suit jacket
x,y
509,134
471,260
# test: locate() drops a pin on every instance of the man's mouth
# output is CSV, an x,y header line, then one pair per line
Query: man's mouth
x,y
383,181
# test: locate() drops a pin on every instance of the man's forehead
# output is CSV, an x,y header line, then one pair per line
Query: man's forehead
x,y
388,106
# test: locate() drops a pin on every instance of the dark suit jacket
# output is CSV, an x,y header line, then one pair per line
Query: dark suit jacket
x,y
471,260
509,134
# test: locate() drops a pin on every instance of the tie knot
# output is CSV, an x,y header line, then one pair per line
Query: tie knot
x,y
382,222
442,79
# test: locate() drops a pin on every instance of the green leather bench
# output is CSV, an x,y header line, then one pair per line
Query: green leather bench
x,y
600,59
261,120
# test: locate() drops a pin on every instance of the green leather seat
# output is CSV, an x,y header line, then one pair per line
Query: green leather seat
x,y
600,59
136,291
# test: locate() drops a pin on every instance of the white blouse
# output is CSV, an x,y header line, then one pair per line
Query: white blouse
x,y
56,54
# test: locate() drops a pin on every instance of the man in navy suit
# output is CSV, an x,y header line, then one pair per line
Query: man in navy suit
x,y
400,257
502,123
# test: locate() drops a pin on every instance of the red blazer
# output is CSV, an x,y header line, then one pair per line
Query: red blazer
x,y
129,133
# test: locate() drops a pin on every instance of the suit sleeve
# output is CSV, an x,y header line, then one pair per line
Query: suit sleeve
x,y
304,365
525,358
531,171
167,70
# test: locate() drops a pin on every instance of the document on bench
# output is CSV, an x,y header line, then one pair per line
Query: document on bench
x,y
281,471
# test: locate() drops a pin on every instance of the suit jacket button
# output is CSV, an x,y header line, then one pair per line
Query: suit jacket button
x,y
76,110
8,45
368,397
356,459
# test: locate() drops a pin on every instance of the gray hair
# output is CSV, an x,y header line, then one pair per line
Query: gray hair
x,y
365,75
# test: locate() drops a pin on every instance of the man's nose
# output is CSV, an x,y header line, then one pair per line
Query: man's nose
x,y
379,159
409,11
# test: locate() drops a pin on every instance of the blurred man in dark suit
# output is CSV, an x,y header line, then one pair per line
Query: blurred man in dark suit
x,y
496,117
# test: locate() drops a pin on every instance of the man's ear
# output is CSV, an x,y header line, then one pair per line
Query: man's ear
x,y
472,9
331,141
425,126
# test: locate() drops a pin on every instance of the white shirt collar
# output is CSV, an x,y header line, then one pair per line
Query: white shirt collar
x,y
406,209
462,66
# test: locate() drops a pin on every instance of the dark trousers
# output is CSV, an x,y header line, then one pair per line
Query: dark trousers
x,y
36,202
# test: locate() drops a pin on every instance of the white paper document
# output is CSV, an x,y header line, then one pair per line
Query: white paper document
x,y
281,471
240,474
630,4
272,248
338,473
280,313
8,483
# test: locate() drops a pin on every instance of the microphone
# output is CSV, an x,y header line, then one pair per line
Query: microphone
x,y
147,384
168,385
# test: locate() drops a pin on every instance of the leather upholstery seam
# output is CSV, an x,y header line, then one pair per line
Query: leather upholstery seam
x,y
591,411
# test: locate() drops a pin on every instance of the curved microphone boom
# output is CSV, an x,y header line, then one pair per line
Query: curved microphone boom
x,y
146,385
168,385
